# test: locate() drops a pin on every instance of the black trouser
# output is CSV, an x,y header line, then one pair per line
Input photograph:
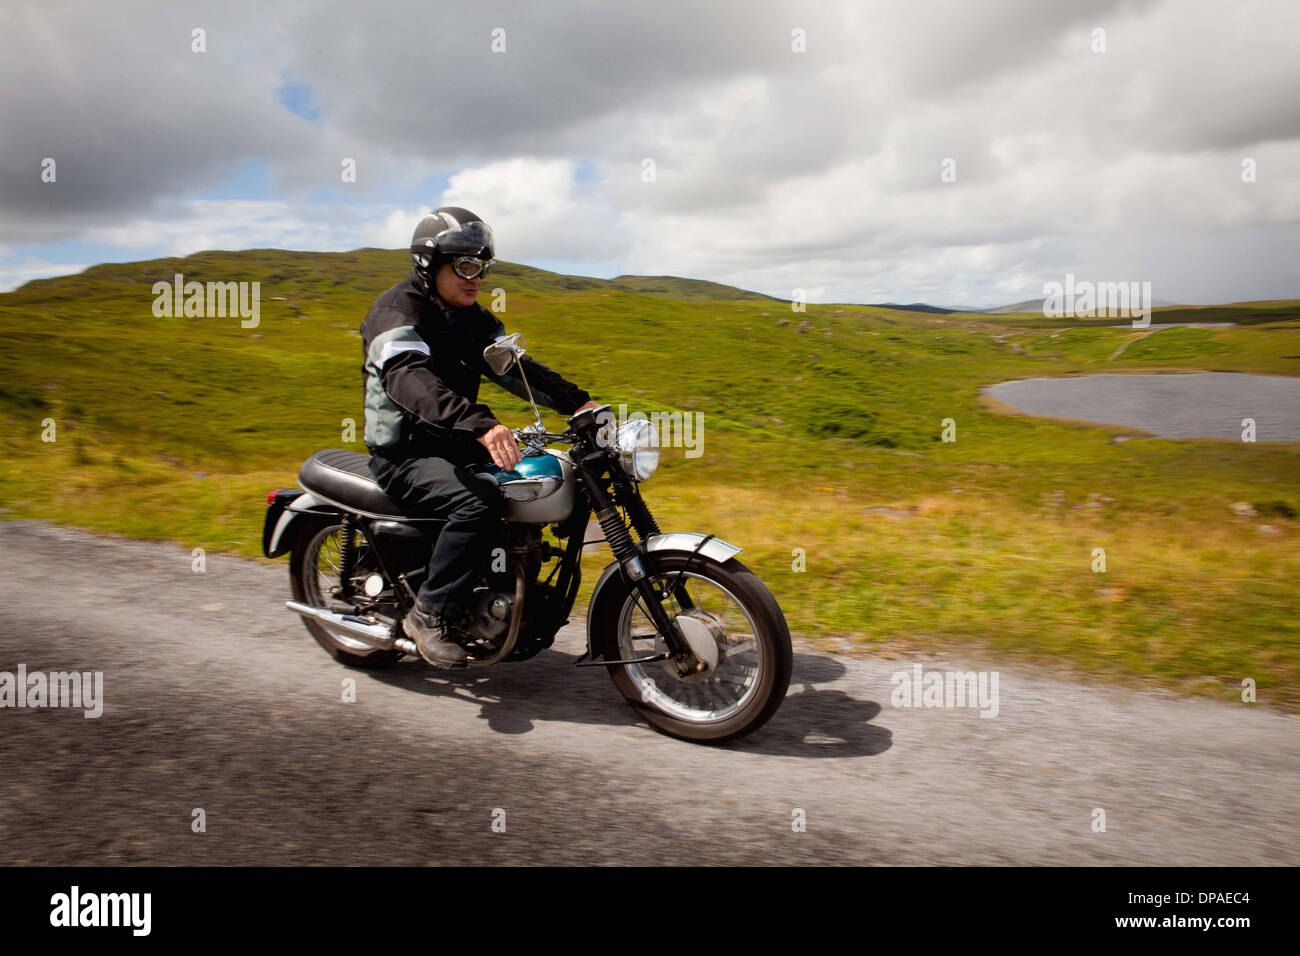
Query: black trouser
x,y
473,507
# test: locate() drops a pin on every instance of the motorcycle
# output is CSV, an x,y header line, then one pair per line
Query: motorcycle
x,y
690,636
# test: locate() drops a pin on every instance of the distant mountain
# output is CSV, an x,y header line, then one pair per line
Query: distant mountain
x,y
367,269
913,307
674,287
1036,305
1028,305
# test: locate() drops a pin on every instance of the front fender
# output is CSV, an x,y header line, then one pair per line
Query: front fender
x,y
684,542
716,548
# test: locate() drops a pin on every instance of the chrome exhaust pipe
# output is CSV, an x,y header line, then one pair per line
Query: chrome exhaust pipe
x,y
376,635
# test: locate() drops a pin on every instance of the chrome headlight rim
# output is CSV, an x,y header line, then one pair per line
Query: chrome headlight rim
x,y
637,445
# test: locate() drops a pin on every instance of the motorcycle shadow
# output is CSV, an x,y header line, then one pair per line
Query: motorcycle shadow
x,y
811,722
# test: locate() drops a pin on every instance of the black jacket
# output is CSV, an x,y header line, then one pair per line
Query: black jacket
x,y
422,365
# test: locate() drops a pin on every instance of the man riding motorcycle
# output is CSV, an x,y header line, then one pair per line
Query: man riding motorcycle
x,y
426,431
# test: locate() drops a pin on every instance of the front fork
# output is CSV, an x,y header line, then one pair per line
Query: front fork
x,y
636,562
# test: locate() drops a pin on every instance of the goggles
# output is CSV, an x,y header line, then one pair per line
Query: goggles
x,y
471,267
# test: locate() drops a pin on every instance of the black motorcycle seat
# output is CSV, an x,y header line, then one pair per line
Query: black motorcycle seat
x,y
344,478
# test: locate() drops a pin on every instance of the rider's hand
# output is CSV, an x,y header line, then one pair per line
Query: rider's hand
x,y
583,408
500,443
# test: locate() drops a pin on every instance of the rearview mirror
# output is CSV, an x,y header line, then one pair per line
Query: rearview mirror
x,y
505,352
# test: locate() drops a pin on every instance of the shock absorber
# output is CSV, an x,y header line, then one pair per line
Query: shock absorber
x,y
616,533
645,525
347,556
639,512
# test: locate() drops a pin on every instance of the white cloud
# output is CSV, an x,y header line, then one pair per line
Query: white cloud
x,y
195,225
16,271
776,169
538,211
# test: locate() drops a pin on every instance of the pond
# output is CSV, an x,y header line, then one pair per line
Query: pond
x,y
1193,405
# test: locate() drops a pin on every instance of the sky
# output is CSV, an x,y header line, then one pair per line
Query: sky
x,y
956,153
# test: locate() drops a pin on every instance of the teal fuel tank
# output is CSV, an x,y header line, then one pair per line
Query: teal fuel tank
x,y
538,490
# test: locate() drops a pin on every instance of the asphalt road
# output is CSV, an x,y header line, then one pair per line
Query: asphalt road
x,y
216,697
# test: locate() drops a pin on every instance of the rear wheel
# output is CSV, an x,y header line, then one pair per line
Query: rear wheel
x,y
314,568
724,601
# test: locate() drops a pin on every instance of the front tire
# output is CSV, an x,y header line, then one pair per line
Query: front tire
x,y
312,572
751,679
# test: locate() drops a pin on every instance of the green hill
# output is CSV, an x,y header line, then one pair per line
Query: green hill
x,y
672,287
821,445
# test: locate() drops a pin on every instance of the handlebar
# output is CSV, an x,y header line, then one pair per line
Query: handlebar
x,y
547,436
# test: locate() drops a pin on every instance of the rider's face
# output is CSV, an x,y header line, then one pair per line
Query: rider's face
x,y
454,290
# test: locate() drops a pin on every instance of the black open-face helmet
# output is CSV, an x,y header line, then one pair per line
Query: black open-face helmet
x,y
452,234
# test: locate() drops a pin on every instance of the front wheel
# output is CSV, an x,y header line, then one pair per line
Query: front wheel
x,y
754,657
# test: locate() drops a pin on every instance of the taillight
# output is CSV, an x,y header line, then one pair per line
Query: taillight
x,y
270,498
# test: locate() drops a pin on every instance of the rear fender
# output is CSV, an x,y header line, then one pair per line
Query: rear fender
x,y
285,514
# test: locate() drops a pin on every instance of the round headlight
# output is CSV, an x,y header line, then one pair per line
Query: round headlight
x,y
637,443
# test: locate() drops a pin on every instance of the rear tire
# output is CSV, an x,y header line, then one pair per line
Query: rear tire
x,y
771,639
305,579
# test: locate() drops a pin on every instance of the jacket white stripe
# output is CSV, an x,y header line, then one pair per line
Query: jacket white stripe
x,y
389,349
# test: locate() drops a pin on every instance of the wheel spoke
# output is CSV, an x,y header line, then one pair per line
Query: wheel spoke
x,y
324,557
731,685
